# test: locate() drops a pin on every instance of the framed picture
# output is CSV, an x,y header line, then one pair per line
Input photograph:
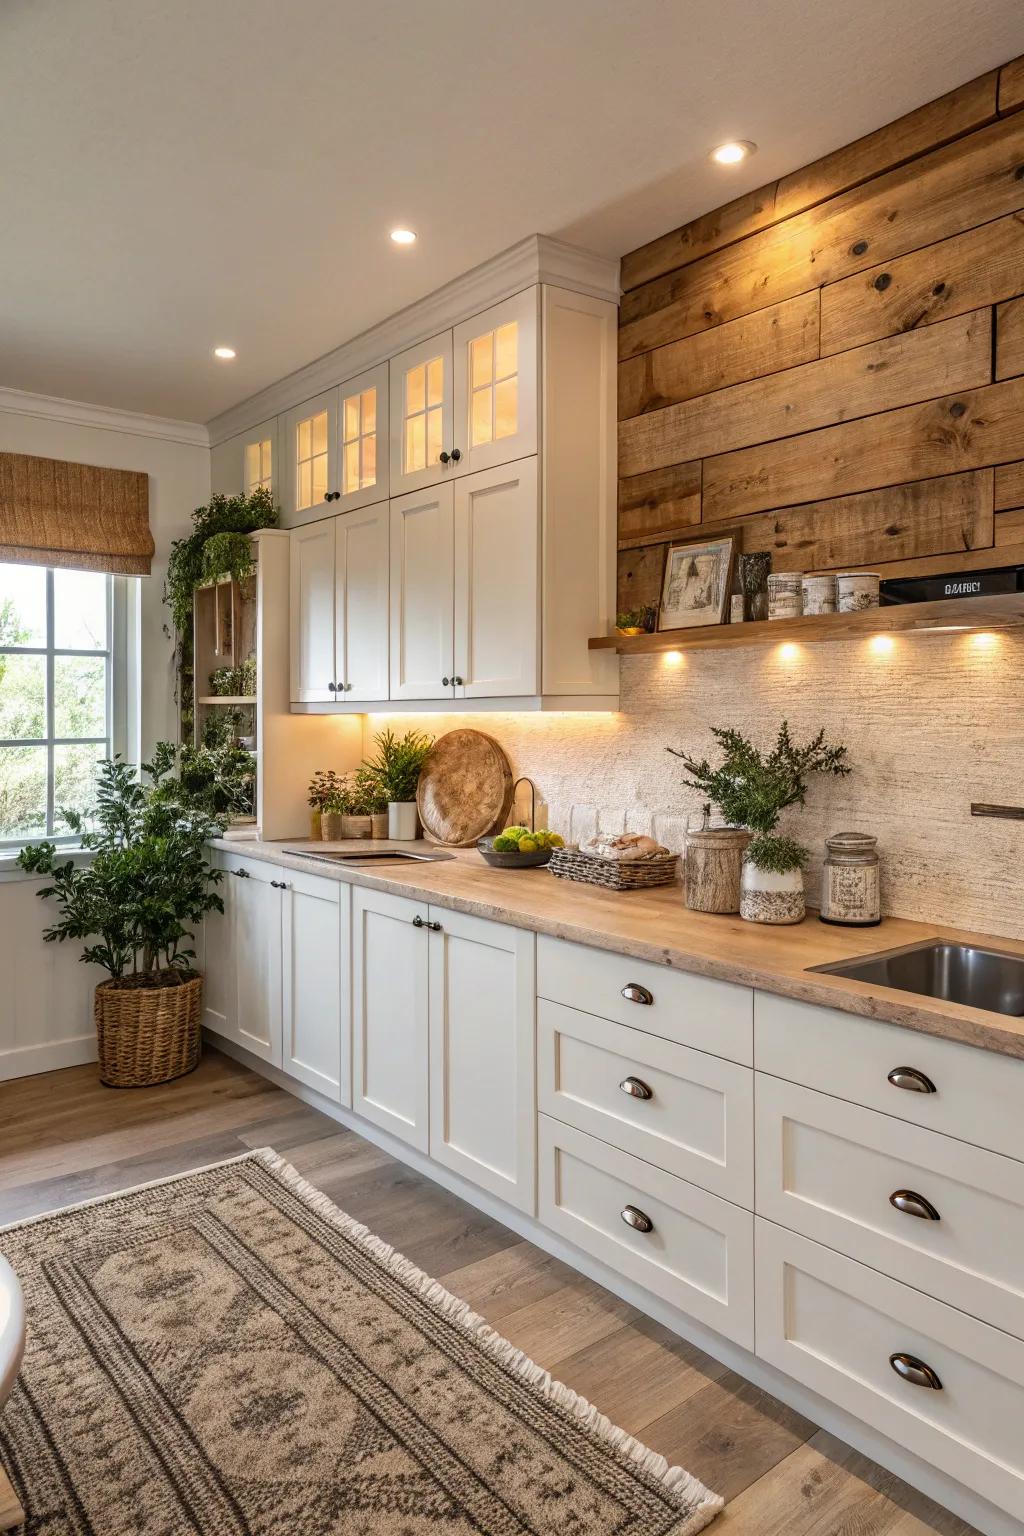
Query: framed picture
x,y
695,588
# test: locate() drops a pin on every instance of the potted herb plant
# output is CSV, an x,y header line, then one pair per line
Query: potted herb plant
x,y
371,800
752,789
322,785
396,767
148,878
336,807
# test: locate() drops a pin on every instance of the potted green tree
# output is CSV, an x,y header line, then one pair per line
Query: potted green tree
x,y
396,767
752,789
149,877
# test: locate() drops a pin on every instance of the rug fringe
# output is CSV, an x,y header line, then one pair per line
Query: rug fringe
x,y
704,1504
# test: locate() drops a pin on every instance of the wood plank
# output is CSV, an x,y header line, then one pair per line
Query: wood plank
x,y
1010,337
779,337
900,522
640,575
653,506
1009,529
963,273
943,193
897,371
1009,486
938,122
733,221
1011,86
970,560
941,437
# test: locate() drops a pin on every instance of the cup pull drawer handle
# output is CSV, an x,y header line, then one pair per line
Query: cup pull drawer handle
x,y
635,1218
633,992
910,1204
915,1371
912,1080
636,1088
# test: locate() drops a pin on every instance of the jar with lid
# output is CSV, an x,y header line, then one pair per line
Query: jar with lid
x,y
850,886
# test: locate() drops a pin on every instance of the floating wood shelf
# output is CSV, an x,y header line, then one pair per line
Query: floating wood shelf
x,y
1005,611
227,698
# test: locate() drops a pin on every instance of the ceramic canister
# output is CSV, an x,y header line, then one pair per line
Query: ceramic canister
x,y
819,593
785,595
857,590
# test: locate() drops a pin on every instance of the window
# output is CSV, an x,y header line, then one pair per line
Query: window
x,y
259,470
424,425
56,696
494,384
359,441
311,461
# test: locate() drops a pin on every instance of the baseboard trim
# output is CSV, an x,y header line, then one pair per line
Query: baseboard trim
x,y
919,1474
29,1060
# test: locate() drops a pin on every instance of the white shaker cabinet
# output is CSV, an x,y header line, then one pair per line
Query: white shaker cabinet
x,y
315,989
363,440
242,995
361,582
312,613
497,582
496,386
420,382
422,594
220,1000
311,452
247,462
389,1013
482,1093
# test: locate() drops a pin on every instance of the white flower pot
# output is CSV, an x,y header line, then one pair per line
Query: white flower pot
x,y
403,821
766,897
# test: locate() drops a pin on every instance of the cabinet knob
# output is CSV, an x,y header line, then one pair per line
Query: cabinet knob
x,y
910,1204
633,992
458,682
332,687
444,457
279,885
446,682
456,455
332,496
912,1080
637,1219
240,874
636,1088
911,1369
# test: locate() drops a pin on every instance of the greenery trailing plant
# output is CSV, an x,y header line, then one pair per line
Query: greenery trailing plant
x,y
227,554
752,788
149,875
397,763
236,682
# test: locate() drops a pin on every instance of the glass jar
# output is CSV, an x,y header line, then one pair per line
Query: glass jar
x,y
850,893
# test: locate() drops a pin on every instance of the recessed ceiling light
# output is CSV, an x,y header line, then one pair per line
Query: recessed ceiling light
x,y
734,152
225,353
404,236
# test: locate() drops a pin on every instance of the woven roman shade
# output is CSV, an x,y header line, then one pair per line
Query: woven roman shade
x,y
75,515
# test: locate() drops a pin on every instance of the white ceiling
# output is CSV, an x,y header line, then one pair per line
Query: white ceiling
x,y
174,175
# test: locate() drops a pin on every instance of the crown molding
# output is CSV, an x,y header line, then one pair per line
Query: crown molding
x,y
104,418
537,259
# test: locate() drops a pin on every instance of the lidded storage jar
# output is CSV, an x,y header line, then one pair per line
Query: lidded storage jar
x,y
849,884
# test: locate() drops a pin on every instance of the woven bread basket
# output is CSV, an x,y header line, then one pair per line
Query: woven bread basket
x,y
615,874
148,1035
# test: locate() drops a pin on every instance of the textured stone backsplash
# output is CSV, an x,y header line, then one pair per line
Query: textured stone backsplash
x,y
931,724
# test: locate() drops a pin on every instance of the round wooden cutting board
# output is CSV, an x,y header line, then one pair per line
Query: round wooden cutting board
x,y
465,789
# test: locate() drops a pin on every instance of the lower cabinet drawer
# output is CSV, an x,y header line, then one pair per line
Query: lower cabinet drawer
x,y
943,1216
689,1113
842,1329
687,1246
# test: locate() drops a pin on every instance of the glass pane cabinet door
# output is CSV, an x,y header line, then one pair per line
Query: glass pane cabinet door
x,y
421,415
259,465
363,428
312,446
495,362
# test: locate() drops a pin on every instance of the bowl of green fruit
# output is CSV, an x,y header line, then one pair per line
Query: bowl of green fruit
x,y
519,848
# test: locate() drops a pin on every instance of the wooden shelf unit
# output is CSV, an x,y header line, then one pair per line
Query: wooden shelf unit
x,y
952,615
226,698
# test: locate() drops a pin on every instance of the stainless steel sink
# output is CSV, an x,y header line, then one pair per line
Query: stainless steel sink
x,y
955,973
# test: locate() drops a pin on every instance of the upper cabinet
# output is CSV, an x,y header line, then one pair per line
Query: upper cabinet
x,y
496,385
311,444
363,449
247,462
421,415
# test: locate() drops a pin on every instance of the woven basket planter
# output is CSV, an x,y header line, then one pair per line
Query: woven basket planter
x,y
148,1035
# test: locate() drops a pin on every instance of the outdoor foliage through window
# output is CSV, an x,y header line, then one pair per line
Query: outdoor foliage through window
x,y
55,695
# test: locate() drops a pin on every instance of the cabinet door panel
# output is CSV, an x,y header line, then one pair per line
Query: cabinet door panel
x,y
421,415
497,582
482,1096
316,1023
422,580
261,468
389,1014
496,384
361,603
311,449
363,457
256,938
312,661
219,986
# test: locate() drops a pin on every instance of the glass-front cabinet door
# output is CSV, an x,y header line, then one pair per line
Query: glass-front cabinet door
x,y
311,438
363,439
495,367
259,456
421,415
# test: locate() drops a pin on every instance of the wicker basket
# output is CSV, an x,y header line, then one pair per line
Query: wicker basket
x,y
615,874
148,1035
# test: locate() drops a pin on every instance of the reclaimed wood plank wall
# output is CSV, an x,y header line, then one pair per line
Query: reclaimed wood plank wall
x,y
832,367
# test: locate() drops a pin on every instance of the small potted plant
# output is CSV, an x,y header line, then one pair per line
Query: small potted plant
x,y
322,785
396,766
148,877
337,806
356,821
372,800
752,789
637,621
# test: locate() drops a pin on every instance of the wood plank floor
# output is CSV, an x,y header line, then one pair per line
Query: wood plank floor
x,y
64,1138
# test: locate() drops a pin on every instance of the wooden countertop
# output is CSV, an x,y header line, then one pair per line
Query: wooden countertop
x,y
656,926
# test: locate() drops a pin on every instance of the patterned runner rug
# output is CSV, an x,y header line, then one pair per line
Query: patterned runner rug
x,y
228,1354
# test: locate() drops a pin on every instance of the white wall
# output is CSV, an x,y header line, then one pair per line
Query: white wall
x,y
46,997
